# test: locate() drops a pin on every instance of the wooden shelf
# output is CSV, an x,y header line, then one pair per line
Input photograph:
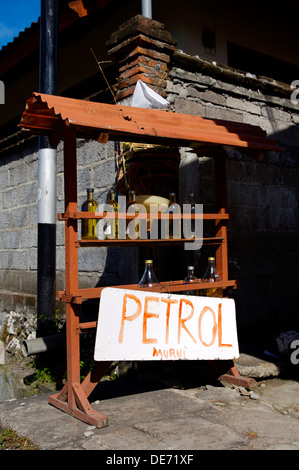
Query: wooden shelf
x,y
78,296
77,215
148,242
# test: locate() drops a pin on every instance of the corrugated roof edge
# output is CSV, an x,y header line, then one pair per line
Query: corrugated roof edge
x,y
20,36
47,113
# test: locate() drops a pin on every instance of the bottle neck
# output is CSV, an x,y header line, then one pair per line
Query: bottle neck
x,y
148,279
172,198
211,264
132,196
111,197
211,272
190,271
90,194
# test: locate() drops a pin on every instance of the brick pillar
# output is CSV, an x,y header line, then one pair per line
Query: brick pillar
x,y
143,50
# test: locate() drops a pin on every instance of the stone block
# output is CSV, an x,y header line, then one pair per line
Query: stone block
x,y
277,113
189,107
4,179
104,174
28,193
11,239
60,258
206,96
90,152
19,217
243,104
32,255
10,198
18,175
4,220
216,112
84,182
92,260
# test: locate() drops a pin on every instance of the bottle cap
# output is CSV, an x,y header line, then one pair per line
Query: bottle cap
x,y
190,267
148,261
211,258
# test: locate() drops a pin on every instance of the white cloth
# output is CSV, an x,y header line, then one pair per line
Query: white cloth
x,y
145,97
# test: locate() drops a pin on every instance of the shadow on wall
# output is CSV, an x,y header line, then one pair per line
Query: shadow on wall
x,y
263,236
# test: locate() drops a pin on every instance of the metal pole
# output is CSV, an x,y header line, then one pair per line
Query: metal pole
x,y
146,8
46,263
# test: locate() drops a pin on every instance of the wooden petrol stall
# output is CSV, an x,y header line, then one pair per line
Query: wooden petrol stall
x,y
67,119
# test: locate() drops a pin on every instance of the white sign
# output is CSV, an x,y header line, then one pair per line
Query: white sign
x,y
142,325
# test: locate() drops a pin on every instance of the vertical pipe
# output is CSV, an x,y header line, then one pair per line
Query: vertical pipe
x,y
146,8
46,262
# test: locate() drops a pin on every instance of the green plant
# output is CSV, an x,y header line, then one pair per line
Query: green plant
x,y
10,440
44,375
49,325
50,374
5,333
85,367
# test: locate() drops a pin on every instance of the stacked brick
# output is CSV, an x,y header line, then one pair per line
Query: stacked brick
x,y
143,50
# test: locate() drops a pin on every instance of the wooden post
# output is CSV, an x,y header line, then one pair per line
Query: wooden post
x,y
221,225
71,263
73,397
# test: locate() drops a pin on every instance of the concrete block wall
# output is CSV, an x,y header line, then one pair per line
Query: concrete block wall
x,y
18,216
262,196
18,231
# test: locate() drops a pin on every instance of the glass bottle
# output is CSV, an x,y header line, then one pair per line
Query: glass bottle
x,y
148,278
134,209
211,275
190,279
111,229
88,226
174,225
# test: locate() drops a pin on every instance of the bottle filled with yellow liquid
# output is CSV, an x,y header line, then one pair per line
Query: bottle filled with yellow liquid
x,y
111,229
88,226
211,275
132,207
